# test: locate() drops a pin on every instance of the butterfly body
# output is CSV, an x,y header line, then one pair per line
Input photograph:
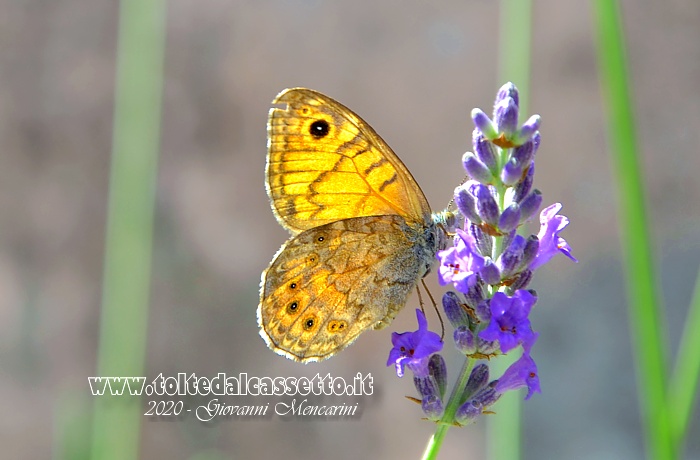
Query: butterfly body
x,y
362,230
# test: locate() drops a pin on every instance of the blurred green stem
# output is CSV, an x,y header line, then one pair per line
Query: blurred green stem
x,y
127,266
645,309
515,28
684,384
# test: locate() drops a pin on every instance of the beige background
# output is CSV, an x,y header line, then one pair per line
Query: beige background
x,y
413,70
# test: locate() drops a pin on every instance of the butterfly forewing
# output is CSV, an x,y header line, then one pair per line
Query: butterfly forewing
x,y
326,164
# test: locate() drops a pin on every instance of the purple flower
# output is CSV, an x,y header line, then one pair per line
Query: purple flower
x,y
413,349
509,324
521,373
460,263
551,224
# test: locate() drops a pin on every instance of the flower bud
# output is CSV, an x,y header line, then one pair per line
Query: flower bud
x,y
524,153
508,90
484,124
438,370
512,172
508,239
521,280
464,340
523,187
510,218
486,205
509,261
476,169
490,273
530,205
467,413
466,203
484,150
432,407
532,245
536,139
483,311
505,116
454,311
483,241
477,380
527,130
485,397
474,295
426,386
487,347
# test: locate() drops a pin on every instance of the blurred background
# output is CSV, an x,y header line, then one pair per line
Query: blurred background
x,y
413,70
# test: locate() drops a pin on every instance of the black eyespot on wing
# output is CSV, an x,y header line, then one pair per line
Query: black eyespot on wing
x,y
293,307
309,323
321,239
319,129
293,286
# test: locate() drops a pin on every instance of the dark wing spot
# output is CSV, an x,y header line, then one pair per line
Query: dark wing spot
x,y
293,307
309,323
336,326
319,129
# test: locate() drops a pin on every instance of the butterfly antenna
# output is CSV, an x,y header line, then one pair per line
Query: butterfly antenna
x,y
442,323
452,201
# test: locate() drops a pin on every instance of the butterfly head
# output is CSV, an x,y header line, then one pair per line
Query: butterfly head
x,y
445,223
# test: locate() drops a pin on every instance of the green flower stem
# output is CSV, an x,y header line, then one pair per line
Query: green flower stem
x,y
686,375
435,441
644,301
127,266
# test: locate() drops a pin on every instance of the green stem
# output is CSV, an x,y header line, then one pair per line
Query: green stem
x,y
686,375
127,266
435,441
644,301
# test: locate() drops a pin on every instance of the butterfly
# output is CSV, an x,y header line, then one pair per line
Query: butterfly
x,y
362,232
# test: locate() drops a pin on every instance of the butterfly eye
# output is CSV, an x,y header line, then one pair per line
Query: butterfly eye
x,y
319,129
